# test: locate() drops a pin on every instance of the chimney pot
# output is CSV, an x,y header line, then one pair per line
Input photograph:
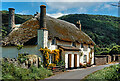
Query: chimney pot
x,y
78,25
43,17
11,20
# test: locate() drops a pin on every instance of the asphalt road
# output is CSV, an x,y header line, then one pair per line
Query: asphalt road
x,y
78,73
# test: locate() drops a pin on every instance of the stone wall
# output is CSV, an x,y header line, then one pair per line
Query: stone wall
x,y
31,61
102,59
119,59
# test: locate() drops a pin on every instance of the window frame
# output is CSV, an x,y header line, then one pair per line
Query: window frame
x,y
50,58
74,44
85,59
53,42
82,46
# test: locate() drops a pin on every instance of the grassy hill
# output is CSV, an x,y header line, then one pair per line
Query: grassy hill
x,y
104,30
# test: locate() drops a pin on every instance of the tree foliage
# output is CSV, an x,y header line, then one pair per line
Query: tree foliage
x,y
102,29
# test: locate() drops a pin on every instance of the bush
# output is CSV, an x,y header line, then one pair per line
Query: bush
x,y
9,71
115,50
50,66
61,63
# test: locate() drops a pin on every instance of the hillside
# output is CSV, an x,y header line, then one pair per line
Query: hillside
x,y
104,30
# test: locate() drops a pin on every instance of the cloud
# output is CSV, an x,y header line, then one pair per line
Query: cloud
x,y
56,15
60,1
23,12
107,6
82,10
69,7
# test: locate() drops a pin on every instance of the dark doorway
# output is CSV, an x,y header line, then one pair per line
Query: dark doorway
x,y
75,61
69,61
116,58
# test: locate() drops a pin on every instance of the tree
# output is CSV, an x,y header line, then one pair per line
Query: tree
x,y
115,50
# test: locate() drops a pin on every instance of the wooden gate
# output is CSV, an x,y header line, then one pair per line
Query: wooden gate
x,y
75,60
69,61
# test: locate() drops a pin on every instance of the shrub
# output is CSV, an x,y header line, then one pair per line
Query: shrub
x,y
9,71
115,50
61,63
83,65
50,66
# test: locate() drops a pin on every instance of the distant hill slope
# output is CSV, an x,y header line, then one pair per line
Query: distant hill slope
x,y
104,30
18,20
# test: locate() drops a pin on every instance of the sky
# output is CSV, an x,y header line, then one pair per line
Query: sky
x,y
60,8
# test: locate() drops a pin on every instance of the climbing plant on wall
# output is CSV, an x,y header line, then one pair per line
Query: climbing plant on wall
x,y
56,55
45,51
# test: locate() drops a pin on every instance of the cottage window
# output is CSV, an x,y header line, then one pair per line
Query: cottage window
x,y
50,59
74,44
82,45
88,45
85,59
48,44
53,41
85,48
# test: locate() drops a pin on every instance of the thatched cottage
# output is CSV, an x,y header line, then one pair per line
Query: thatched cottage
x,y
44,31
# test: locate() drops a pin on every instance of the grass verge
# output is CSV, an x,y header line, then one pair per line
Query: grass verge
x,y
111,73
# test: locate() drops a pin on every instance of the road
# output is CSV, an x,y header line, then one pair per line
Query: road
x,y
78,73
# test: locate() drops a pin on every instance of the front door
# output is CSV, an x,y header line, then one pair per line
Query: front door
x,y
69,61
75,60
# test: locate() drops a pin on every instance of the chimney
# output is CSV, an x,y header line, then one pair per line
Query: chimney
x,y
43,17
78,24
42,38
11,20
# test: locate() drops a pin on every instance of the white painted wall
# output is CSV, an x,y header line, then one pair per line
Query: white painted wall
x,y
53,47
78,60
42,38
72,60
66,60
11,51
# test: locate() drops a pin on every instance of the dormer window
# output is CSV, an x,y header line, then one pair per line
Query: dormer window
x,y
82,45
54,41
74,44
88,45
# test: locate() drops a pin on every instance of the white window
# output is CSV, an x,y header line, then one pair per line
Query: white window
x,y
85,48
85,59
50,59
48,44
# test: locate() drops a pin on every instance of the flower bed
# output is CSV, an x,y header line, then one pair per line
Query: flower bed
x,y
58,69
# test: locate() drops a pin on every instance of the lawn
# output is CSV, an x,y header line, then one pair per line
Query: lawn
x,y
111,73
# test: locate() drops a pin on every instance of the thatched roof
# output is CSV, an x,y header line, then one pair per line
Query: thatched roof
x,y
57,28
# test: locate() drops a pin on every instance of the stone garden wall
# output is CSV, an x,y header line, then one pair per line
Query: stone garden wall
x,y
104,59
32,60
